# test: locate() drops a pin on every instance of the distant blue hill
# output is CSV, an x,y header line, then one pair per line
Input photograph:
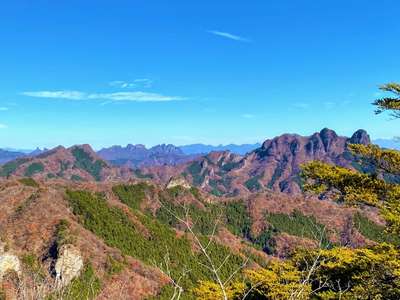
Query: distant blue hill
x,y
203,149
9,154
388,143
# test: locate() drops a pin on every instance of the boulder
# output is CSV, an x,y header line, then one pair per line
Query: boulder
x,y
9,263
179,181
68,265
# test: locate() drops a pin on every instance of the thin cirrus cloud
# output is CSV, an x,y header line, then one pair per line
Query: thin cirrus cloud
x,y
228,35
3,108
140,82
117,96
3,126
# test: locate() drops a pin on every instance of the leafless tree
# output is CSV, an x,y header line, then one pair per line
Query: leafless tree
x,y
203,247
165,268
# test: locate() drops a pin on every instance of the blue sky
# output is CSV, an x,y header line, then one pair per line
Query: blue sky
x,y
118,72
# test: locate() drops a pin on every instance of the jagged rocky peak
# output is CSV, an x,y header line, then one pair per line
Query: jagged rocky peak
x,y
131,147
222,157
328,134
328,138
280,144
360,137
85,147
325,141
166,149
38,151
59,150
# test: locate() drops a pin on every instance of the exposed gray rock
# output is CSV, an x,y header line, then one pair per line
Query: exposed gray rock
x,y
68,265
8,262
179,181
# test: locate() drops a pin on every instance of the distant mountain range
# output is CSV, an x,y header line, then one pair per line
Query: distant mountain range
x,y
204,149
139,156
8,154
388,143
274,165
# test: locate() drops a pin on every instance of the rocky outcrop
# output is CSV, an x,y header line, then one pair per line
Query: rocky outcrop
x,y
8,262
360,137
282,156
179,181
68,265
276,165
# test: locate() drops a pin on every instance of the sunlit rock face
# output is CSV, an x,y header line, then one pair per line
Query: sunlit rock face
x,y
178,182
8,262
68,265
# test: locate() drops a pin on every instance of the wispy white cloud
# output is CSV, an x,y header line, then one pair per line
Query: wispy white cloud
x,y
137,83
248,116
3,126
70,95
121,84
228,35
134,96
3,108
117,96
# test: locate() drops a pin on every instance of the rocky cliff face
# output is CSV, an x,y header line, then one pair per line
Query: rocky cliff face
x,y
274,166
280,158
68,266
8,262
178,181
